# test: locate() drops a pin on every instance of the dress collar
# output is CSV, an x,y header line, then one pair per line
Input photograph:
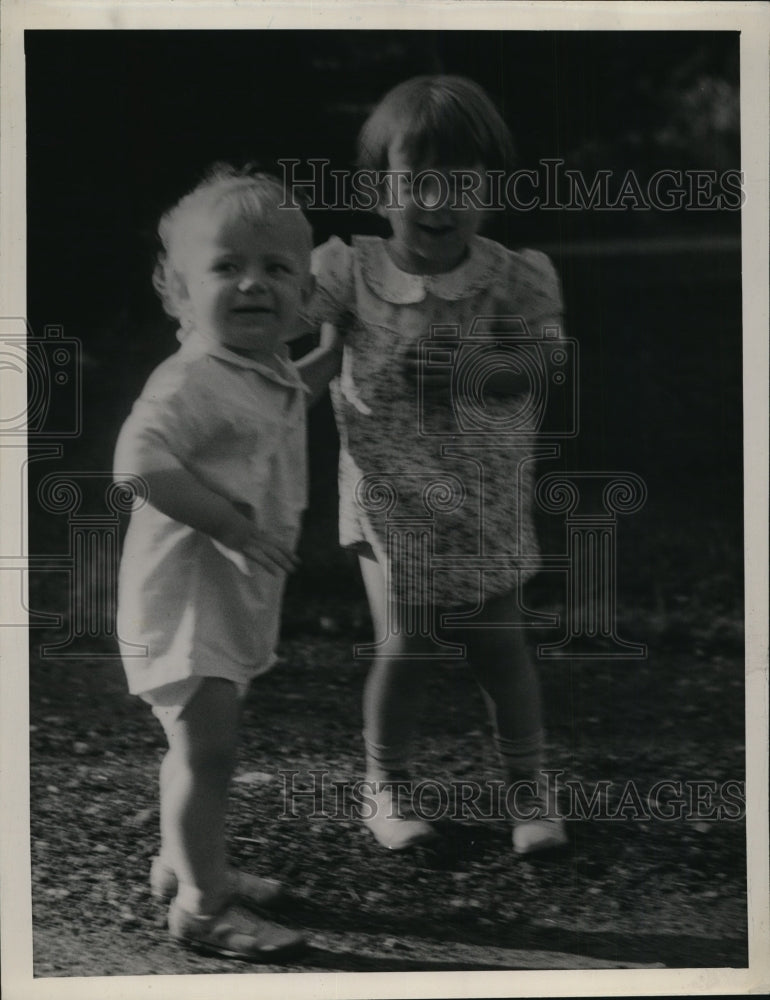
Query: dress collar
x,y
195,342
480,269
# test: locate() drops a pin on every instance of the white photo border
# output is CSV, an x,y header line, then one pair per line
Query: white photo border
x,y
753,22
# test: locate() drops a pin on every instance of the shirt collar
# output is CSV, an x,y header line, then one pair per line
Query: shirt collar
x,y
195,342
480,269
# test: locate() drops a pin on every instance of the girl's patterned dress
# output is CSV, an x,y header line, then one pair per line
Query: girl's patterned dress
x,y
437,483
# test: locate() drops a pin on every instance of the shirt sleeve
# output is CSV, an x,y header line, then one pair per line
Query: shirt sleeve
x,y
168,419
332,267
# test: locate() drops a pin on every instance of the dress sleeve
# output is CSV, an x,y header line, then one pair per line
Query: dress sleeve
x,y
332,267
533,290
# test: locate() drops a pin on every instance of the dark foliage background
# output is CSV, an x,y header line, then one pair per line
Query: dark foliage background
x,y
120,123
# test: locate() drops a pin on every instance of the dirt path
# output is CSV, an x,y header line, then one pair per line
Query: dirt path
x,y
626,894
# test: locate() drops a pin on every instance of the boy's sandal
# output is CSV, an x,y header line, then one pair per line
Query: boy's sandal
x,y
234,933
251,891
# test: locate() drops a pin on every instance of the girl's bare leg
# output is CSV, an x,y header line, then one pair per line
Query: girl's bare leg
x,y
392,689
504,670
502,665
391,705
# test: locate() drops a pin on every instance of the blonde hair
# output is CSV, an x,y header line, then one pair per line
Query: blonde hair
x,y
245,193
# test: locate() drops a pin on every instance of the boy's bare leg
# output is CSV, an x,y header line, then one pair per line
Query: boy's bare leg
x,y
194,789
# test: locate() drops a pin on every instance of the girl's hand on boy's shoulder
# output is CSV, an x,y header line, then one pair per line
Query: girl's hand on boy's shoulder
x,y
323,363
331,339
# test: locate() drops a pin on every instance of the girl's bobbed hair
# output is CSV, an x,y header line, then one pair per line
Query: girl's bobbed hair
x,y
439,121
244,193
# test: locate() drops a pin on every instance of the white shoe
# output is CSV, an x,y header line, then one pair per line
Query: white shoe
x,y
391,825
534,835
540,828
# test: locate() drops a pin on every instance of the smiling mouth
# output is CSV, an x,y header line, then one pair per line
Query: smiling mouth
x,y
436,230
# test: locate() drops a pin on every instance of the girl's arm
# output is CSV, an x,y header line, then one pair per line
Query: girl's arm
x,y
180,495
320,365
333,295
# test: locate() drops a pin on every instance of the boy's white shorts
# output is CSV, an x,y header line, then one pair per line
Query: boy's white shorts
x,y
168,702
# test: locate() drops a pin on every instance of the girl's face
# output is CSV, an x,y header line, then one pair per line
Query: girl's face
x,y
243,283
432,223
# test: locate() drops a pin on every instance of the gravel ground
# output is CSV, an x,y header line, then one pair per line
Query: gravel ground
x,y
626,893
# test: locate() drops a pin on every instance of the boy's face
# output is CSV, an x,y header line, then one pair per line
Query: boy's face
x,y
244,282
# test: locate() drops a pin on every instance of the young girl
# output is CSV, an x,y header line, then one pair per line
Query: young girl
x,y
431,141
218,438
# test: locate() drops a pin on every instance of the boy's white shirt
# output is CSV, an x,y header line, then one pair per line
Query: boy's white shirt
x,y
264,470
238,559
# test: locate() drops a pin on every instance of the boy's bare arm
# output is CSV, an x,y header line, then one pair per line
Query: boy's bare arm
x,y
180,495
